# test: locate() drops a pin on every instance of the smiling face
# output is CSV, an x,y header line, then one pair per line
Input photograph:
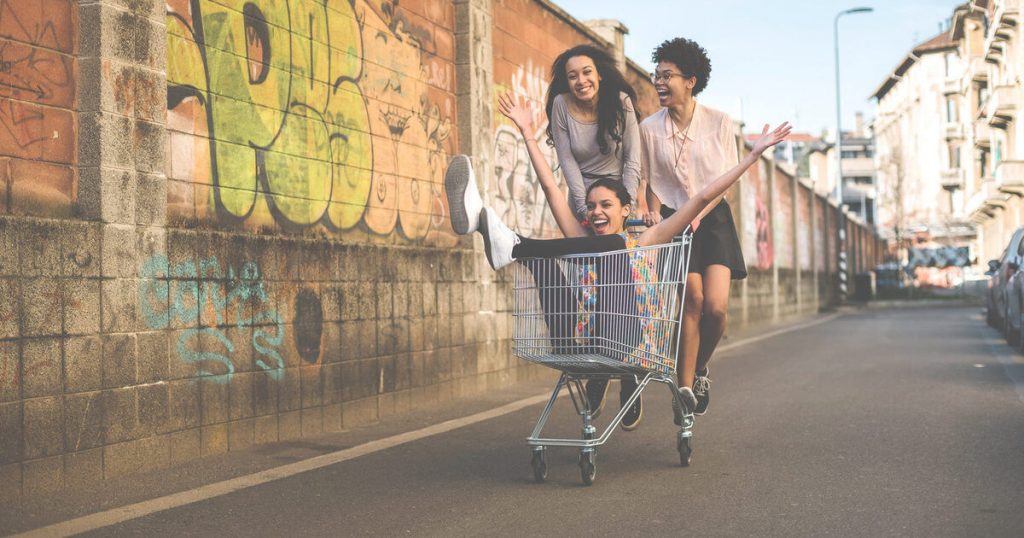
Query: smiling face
x,y
672,86
605,212
584,80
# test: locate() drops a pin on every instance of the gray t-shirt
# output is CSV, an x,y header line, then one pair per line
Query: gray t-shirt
x,y
580,156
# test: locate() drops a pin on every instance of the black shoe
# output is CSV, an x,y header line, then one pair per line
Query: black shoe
x,y
702,390
636,411
596,390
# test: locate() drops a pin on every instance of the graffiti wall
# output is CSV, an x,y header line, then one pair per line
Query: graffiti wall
x,y
756,235
38,122
527,39
333,114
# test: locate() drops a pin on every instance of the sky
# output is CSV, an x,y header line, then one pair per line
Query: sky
x,y
774,60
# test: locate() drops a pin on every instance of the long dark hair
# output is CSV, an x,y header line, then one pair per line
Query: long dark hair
x,y
616,187
611,117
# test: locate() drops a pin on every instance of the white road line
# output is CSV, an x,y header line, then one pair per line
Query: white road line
x,y
132,511
144,508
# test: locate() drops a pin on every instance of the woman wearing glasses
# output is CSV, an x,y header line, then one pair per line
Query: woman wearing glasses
x,y
593,127
686,145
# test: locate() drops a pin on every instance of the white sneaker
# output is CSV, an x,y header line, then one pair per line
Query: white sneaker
x,y
498,239
464,200
689,400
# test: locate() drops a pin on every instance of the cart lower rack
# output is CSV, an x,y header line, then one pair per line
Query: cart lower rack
x,y
602,315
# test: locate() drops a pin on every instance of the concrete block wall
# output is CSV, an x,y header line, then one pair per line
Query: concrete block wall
x,y
217,244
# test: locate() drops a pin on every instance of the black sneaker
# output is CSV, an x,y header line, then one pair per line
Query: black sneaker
x,y
596,390
636,411
702,390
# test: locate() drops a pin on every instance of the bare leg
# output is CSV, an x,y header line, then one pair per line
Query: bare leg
x,y
693,306
717,279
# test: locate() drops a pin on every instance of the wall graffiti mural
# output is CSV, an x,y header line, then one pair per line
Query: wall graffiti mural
x,y
305,108
941,257
37,68
178,296
765,255
520,199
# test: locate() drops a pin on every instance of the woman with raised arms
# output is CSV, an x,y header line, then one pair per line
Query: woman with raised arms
x,y
608,206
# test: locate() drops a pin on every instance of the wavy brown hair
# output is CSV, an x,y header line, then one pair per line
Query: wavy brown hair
x,y
611,117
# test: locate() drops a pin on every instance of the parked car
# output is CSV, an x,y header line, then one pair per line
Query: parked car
x,y
1003,308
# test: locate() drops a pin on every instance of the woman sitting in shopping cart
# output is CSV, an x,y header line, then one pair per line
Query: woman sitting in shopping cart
x,y
608,207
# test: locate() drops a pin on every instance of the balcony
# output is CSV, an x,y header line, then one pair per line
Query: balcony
x,y
986,200
954,131
952,179
994,44
978,69
858,166
951,86
982,134
1007,15
1009,177
1002,104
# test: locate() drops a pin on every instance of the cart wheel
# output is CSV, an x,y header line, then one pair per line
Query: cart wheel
x,y
540,466
588,467
685,446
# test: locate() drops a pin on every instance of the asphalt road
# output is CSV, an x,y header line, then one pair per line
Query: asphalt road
x,y
880,422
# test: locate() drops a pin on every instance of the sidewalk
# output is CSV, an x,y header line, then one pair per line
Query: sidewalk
x,y
111,494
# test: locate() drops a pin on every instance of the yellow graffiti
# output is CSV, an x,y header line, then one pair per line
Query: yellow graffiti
x,y
317,113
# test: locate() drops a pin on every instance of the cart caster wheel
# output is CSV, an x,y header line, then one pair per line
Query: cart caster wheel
x,y
685,447
540,466
588,467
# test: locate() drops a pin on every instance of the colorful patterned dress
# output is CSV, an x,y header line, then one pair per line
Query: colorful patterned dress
x,y
650,333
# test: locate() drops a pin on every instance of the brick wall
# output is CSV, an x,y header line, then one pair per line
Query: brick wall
x,y
38,122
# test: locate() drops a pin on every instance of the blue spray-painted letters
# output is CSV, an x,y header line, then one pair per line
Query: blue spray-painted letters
x,y
206,300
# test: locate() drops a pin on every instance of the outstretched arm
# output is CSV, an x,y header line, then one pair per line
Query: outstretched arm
x,y
664,231
523,119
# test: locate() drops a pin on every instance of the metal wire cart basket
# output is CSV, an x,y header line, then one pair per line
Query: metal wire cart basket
x,y
602,315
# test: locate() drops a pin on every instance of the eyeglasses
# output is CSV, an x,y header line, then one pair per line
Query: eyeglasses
x,y
666,76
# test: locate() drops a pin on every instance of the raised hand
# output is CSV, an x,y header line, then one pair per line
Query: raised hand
x,y
513,109
768,140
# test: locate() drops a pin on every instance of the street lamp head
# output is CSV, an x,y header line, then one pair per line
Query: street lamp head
x,y
859,10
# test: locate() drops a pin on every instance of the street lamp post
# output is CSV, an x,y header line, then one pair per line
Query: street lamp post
x,y
840,221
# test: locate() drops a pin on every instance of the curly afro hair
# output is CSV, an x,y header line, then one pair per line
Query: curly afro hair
x,y
689,57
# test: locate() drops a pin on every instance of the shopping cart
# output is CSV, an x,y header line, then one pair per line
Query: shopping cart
x,y
600,316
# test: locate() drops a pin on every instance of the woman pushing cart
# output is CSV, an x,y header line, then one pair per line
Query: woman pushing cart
x,y
607,298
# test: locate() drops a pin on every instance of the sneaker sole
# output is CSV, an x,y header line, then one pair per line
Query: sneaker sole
x,y
486,232
639,417
456,179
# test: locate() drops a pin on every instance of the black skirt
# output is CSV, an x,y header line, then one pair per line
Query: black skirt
x,y
716,242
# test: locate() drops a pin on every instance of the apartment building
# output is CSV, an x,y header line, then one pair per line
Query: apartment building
x,y
987,92
919,137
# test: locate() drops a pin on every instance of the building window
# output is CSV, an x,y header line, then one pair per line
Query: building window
x,y
950,110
